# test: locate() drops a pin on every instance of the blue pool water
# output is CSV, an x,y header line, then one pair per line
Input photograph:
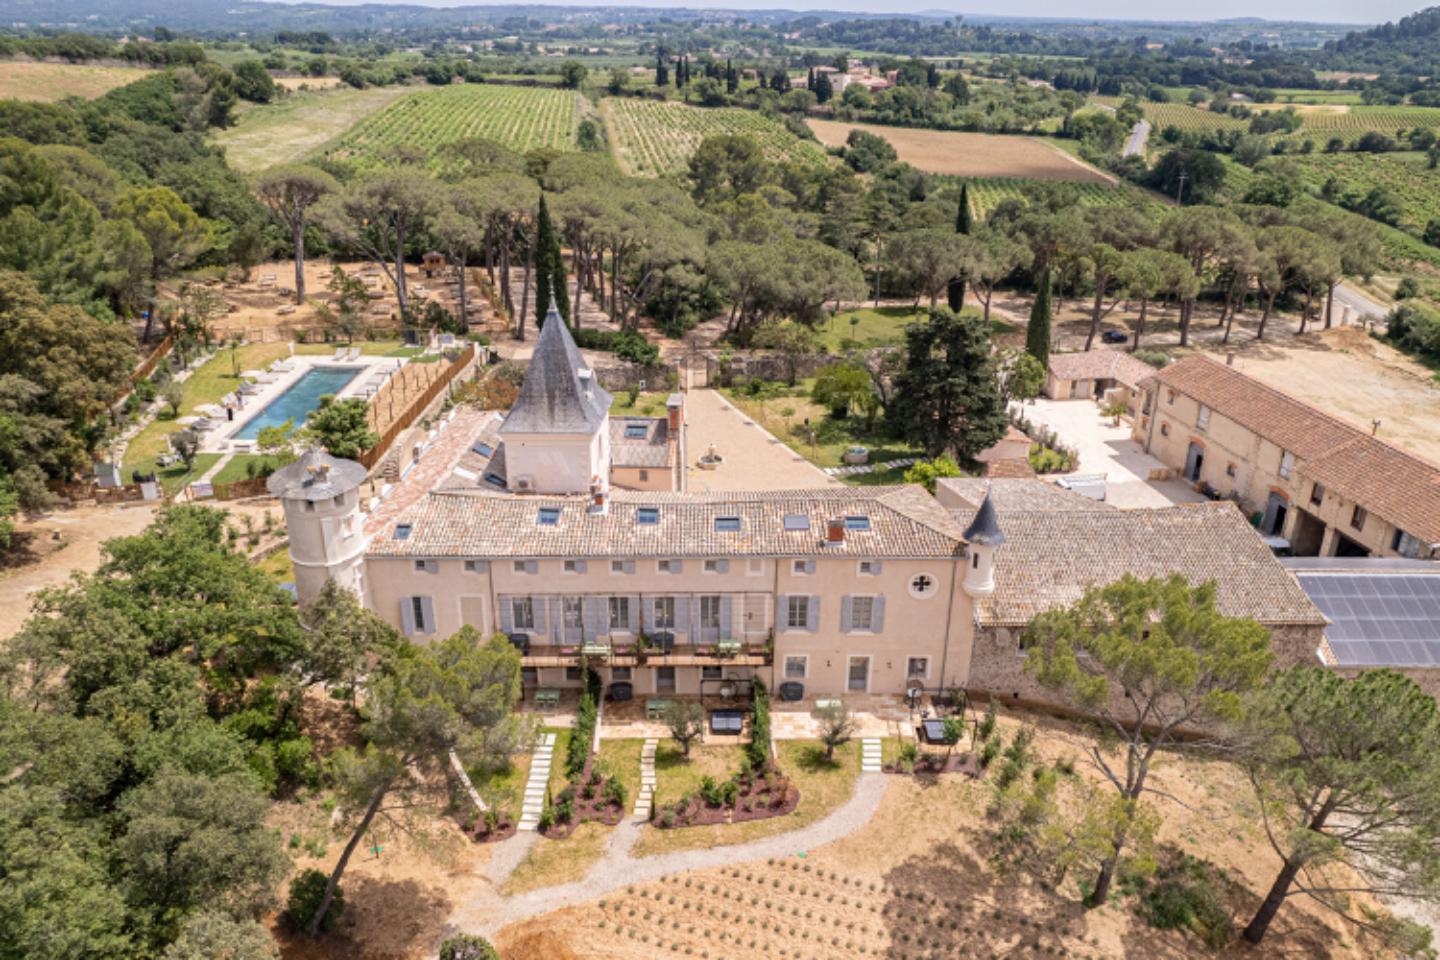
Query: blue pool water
x,y
298,402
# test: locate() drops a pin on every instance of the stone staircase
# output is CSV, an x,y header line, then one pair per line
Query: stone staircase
x,y
534,802
870,755
645,799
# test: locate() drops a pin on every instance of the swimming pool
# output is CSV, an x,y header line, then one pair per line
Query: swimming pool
x,y
299,401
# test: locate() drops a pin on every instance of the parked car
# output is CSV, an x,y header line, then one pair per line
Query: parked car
x,y
1114,336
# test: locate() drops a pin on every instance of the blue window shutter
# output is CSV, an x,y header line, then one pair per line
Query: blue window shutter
x,y
845,618
507,615
538,604
812,615
629,566
809,566
427,610
782,612
877,615
532,566
682,614
676,566
722,566
727,610
634,612
580,566
407,616
596,616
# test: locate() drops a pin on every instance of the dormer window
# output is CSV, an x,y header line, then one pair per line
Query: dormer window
x,y
647,515
483,448
547,516
403,531
797,521
635,431
727,524
494,479
857,523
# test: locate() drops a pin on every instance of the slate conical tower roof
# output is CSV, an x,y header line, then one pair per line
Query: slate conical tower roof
x,y
560,393
985,528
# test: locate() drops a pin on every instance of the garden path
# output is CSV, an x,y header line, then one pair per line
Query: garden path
x,y
485,911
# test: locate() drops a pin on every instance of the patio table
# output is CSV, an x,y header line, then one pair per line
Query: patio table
x,y
655,708
547,697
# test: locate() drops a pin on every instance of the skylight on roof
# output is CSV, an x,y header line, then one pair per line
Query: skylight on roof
x,y
496,479
647,515
797,521
635,431
482,448
857,523
727,524
402,531
547,516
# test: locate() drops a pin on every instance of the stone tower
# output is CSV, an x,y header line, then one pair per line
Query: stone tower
x,y
984,536
321,497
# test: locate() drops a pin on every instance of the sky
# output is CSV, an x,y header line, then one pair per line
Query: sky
x,y
1335,11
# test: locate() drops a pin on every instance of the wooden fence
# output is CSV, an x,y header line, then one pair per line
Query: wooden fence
x,y
417,407
147,366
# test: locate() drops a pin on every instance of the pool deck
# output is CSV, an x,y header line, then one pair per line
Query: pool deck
x,y
368,373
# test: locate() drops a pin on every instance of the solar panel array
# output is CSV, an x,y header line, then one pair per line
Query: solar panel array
x,y
1379,619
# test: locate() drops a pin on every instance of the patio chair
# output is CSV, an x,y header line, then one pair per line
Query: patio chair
x,y
353,354
340,353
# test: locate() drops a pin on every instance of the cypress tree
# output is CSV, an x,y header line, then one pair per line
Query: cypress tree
x,y
955,293
732,79
544,267
810,79
1037,334
662,72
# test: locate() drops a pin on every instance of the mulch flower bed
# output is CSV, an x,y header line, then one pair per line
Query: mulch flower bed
x,y
742,798
591,799
934,764
481,830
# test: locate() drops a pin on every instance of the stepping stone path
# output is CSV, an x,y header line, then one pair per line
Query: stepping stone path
x,y
870,755
534,801
646,798
855,469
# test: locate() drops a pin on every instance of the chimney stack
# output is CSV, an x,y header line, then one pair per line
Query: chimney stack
x,y
673,407
835,531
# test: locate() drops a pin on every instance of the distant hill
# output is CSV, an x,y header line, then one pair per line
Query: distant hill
x,y
1410,46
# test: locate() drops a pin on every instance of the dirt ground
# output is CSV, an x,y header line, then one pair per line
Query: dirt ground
x,y
920,879
49,82
968,154
292,128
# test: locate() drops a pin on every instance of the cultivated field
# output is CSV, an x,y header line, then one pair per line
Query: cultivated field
x,y
1407,175
1319,122
300,124
48,82
652,138
969,154
521,118
986,193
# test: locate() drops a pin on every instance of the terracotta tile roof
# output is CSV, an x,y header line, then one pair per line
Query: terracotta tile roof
x,y
1014,493
1100,365
651,450
1009,469
904,521
449,448
1050,557
1389,482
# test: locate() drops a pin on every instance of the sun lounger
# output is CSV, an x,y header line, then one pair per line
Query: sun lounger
x,y
339,354
353,354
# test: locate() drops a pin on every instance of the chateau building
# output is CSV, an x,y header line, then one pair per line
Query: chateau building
x,y
539,526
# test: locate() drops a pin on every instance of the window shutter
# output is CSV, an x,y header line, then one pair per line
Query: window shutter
x,y
538,604
432,566
782,612
427,610
629,566
845,615
634,613
877,615
682,614
812,615
727,608
532,566
875,567
580,566
407,616
809,566
676,566
507,615
596,616
722,566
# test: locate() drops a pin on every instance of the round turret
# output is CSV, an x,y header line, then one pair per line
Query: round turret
x,y
321,498
983,536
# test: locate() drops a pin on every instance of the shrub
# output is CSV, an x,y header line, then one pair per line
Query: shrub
x,y
1155,358
306,892
466,946
1185,896
757,751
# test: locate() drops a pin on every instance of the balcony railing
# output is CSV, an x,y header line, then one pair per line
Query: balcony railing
x,y
660,649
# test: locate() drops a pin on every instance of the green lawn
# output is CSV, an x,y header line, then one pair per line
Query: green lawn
x,y
557,779
650,403
831,436
867,327
278,567
676,776
621,760
173,478
823,786
503,787
237,467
